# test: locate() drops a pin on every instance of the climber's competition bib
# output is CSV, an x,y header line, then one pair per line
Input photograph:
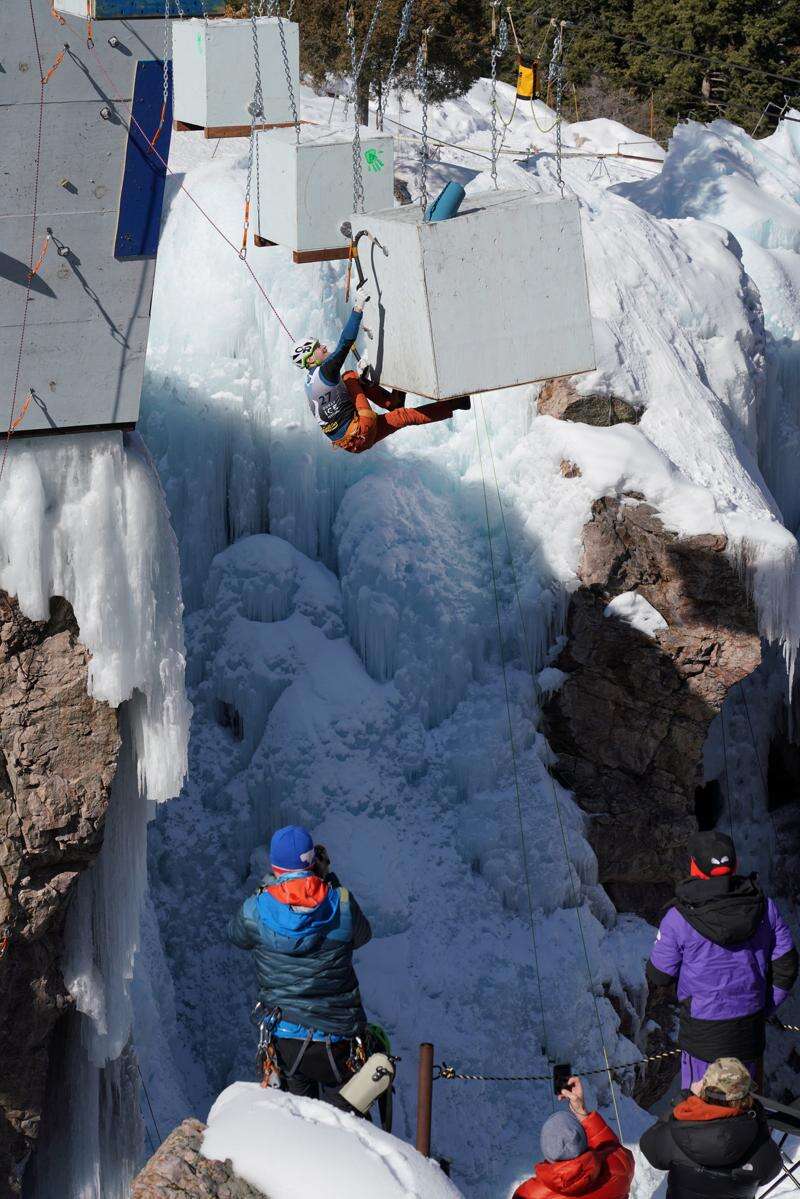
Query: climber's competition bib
x,y
331,406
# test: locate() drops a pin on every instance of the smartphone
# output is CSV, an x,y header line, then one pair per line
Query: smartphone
x,y
562,1073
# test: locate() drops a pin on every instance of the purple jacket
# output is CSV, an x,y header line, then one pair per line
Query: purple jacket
x,y
732,956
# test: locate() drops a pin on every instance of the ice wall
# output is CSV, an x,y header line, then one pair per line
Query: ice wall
x,y
84,517
344,657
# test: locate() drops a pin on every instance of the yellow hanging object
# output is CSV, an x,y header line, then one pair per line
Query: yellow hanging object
x,y
526,81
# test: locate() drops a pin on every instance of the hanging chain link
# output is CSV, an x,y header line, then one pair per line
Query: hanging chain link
x,y
499,47
358,174
556,77
256,110
402,34
421,83
288,73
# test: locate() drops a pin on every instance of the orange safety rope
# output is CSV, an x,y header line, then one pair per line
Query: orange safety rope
x,y
89,26
57,63
243,250
42,255
56,15
16,423
157,134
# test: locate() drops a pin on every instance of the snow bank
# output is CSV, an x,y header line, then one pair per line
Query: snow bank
x,y
290,1148
636,611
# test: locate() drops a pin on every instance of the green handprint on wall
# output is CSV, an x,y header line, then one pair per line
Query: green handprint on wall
x,y
373,159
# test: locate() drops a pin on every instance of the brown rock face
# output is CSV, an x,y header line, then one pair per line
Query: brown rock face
x,y
58,757
179,1171
630,721
559,398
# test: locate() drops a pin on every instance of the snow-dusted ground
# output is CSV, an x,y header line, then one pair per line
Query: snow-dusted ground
x,y
343,655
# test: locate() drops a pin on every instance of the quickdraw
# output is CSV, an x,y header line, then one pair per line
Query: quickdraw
x,y
267,1056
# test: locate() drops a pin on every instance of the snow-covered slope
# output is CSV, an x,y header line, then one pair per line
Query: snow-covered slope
x,y
290,1147
344,659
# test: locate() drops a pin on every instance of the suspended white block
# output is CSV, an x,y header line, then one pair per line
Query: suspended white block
x,y
494,297
214,71
307,188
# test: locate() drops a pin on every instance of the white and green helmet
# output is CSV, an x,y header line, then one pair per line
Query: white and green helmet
x,y
303,351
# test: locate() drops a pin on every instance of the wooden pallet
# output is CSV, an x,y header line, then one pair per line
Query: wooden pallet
x,y
331,255
215,131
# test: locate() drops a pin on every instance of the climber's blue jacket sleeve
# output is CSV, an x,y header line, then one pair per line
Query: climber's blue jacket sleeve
x,y
331,368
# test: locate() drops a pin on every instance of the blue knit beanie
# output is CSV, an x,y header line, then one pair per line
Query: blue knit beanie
x,y
292,848
563,1137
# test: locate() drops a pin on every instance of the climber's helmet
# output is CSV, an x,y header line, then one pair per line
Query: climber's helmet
x,y
304,351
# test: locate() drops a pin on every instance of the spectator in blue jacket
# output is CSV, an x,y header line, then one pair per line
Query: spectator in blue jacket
x,y
303,928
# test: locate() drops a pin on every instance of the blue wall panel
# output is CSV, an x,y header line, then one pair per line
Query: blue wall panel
x,y
106,10
143,178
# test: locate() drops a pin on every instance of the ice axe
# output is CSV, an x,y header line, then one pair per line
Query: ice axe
x,y
346,230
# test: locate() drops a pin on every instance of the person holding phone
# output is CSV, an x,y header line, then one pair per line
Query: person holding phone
x,y
582,1156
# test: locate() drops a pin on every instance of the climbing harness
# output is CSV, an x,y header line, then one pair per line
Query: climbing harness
x,y
402,34
499,47
421,83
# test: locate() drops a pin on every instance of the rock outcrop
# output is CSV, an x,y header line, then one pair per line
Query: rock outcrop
x,y
179,1171
58,758
560,399
629,723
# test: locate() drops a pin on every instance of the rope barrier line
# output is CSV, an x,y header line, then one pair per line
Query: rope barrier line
x,y
451,1074
182,187
31,264
523,846
559,815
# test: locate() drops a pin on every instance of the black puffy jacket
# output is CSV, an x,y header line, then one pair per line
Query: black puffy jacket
x,y
727,1157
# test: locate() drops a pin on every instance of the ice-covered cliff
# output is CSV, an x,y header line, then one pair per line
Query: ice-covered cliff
x,y
343,652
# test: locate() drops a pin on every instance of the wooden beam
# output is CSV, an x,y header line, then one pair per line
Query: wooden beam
x,y
321,255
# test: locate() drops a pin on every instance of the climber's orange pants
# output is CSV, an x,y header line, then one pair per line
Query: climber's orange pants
x,y
367,428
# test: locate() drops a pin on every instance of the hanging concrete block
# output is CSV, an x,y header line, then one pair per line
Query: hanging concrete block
x,y
307,188
214,72
494,297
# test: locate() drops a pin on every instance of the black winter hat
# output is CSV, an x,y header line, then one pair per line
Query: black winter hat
x,y
713,853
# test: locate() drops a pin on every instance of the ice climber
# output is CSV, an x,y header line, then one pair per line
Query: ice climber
x,y
340,404
303,927
582,1156
715,1142
731,954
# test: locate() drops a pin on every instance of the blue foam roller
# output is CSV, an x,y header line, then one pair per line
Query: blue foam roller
x,y
447,203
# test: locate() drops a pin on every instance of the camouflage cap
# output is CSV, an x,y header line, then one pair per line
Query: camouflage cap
x,y
729,1077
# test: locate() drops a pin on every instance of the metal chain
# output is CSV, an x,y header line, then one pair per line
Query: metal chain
x,y
167,31
421,83
556,76
358,174
449,1072
288,73
402,34
499,47
256,110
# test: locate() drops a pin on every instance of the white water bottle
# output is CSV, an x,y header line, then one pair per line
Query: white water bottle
x,y
369,1083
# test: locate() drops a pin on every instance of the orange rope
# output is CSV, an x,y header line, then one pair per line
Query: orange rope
x,y
56,15
157,134
243,250
3,946
89,25
58,61
42,255
16,423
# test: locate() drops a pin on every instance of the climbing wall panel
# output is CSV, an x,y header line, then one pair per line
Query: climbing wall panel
x,y
85,336
495,297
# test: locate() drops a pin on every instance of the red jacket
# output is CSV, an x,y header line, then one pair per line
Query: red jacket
x,y
604,1171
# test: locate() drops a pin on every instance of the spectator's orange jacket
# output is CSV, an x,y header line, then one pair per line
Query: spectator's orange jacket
x,y
604,1171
